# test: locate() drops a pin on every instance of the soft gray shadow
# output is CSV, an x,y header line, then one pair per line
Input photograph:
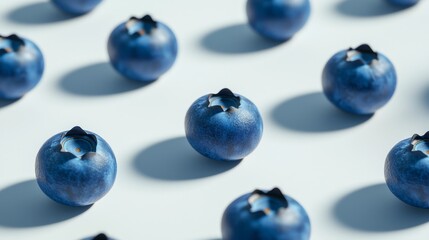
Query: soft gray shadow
x,y
366,8
312,112
5,103
174,159
425,96
38,13
376,209
236,39
24,205
97,80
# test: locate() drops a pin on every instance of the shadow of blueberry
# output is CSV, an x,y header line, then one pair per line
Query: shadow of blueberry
x,y
312,112
366,8
24,205
38,13
5,103
174,159
97,80
376,209
236,39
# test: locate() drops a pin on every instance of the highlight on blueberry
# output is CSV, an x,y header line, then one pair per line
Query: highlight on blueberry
x,y
406,170
262,215
75,167
142,49
359,80
223,126
21,66
277,20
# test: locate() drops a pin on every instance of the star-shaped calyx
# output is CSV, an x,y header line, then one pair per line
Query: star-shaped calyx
x,y
420,143
141,26
270,202
78,142
363,55
225,99
11,43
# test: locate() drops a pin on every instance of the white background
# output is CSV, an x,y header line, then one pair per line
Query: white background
x,y
329,161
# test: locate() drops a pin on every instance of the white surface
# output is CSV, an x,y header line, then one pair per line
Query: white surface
x,y
331,171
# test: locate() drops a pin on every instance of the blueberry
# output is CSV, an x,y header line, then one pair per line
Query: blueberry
x,y
263,215
277,20
359,81
223,126
76,7
142,49
75,167
407,170
403,3
21,66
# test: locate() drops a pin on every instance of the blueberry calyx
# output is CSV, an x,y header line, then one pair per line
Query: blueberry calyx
x,y
224,100
420,143
141,26
79,143
362,54
267,202
15,43
101,236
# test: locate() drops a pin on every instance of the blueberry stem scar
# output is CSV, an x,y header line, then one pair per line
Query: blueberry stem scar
x,y
363,54
267,202
224,99
11,43
78,142
141,26
101,236
420,143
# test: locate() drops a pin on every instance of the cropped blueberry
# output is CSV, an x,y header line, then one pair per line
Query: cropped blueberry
x,y
223,126
277,20
21,66
76,7
142,49
75,167
263,215
359,81
406,170
403,3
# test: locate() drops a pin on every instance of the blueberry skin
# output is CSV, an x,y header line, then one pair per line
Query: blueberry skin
x,y
361,83
21,66
71,179
142,49
277,20
219,134
403,3
240,222
406,171
76,7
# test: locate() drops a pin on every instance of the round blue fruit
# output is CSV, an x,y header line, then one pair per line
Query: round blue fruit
x,y
223,126
406,170
277,20
21,66
76,7
359,81
75,167
403,3
263,215
142,49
